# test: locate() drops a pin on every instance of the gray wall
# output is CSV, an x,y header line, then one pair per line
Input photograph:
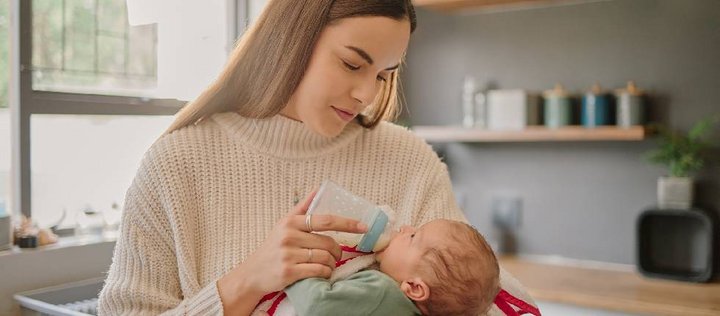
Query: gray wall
x,y
581,200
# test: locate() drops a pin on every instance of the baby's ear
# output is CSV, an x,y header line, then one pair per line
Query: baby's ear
x,y
415,289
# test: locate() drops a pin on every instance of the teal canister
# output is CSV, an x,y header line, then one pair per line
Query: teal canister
x,y
557,107
595,108
630,106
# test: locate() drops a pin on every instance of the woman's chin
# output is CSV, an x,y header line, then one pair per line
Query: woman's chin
x,y
328,130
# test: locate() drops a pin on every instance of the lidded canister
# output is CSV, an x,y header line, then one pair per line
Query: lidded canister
x,y
557,107
595,107
630,106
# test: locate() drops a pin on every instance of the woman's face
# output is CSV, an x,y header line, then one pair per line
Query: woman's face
x,y
349,64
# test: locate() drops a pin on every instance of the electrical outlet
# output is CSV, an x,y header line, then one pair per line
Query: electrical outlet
x,y
506,211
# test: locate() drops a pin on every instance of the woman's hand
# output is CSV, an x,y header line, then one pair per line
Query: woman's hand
x,y
290,253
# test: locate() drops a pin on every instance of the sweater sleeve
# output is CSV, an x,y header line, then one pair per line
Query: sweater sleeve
x,y
144,275
439,199
368,292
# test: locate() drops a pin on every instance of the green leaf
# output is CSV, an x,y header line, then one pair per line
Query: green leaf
x,y
701,128
681,152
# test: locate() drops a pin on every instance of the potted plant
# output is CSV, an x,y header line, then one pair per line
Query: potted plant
x,y
682,154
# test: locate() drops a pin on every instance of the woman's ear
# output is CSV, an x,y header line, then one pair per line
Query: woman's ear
x,y
415,289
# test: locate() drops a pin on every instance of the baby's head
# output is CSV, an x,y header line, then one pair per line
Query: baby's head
x,y
445,267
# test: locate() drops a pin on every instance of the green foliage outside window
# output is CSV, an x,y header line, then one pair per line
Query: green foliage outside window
x,y
83,46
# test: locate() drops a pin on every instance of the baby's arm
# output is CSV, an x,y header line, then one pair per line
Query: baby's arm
x,y
367,292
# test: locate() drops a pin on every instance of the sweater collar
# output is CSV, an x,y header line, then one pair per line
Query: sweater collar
x,y
283,137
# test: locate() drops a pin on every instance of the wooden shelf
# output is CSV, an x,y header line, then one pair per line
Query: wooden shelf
x,y
531,134
612,289
492,5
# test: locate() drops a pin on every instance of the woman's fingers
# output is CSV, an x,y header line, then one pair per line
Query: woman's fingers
x,y
324,243
325,222
310,255
302,207
310,270
298,239
305,254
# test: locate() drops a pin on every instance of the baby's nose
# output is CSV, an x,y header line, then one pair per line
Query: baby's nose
x,y
405,229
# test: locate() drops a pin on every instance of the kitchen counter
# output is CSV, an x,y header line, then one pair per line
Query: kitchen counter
x,y
613,289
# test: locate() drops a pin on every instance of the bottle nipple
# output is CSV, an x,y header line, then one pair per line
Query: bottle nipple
x,y
384,240
377,228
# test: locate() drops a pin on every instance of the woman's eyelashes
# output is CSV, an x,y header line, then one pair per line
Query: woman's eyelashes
x,y
352,67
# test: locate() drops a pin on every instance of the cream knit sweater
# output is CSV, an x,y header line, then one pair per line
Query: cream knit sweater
x,y
206,196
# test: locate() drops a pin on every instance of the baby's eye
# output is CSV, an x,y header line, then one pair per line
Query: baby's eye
x,y
413,235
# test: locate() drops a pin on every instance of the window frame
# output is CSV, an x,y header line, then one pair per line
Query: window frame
x,y
24,101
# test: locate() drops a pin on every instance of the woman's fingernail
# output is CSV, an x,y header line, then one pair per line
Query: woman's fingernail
x,y
362,226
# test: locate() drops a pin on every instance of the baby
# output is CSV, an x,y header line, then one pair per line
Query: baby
x,y
442,268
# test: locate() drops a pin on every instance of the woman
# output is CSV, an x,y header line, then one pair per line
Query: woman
x,y
303,98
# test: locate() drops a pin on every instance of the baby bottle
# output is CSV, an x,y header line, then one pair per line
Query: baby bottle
x,y
334,200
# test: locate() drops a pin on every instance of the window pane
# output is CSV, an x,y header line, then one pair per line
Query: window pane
x,y
87,46
81,161
4,160
4,113
4,52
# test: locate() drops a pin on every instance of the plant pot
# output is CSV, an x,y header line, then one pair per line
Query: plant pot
x,y
675,192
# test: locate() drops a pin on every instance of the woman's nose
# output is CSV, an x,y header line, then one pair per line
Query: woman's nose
x,y
365,91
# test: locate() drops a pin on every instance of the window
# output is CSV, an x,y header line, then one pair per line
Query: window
x,y
90,46
87,46
4,111
99,82
86,161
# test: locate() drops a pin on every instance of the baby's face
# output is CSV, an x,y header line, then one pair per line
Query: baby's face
x,y
404,253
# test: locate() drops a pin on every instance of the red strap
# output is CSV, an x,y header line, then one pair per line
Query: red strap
x,y
351,249
503,300
275,304
504,306
267,297
344,261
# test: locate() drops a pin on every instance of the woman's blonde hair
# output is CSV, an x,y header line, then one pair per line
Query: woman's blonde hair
x,y
270,59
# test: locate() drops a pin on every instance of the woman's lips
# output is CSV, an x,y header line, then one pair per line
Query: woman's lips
x,y
344,115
